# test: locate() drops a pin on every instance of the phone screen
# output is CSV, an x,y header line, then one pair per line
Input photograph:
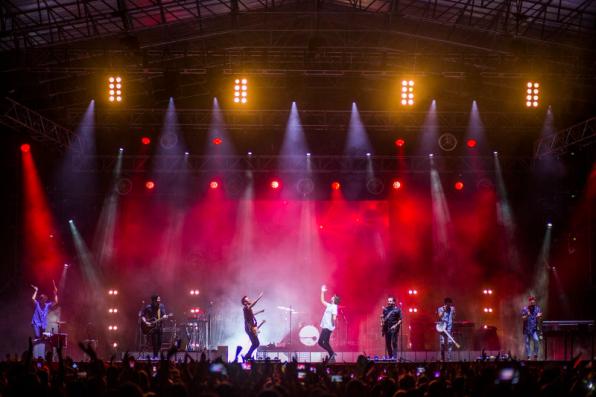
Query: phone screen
x,y
336,378
246,366
301,375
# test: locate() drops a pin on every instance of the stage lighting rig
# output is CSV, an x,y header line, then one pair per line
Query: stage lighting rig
x,y
115,89
407,93
241,91
532,94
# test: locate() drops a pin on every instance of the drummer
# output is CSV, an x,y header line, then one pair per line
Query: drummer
x,y
39,322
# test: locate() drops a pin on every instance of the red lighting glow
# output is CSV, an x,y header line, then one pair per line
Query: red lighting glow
x,y
459,185
471,143
150,185
335,185
217,141
145,140
275,184
25,148
213,184
396,185
399,142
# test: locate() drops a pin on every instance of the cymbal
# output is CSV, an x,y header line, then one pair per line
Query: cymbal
x,y
288,309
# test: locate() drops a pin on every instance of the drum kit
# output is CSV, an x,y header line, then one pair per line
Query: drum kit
x,y
308,335
51,340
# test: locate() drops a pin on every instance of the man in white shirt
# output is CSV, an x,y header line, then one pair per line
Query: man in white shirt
x,y
328,322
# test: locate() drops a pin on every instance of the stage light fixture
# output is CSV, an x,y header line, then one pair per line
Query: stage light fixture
x,y
115,89
217,141
213,185
407,93
275,184
241,91
532,94
400,142
335,185
145,140
396,185
150,185
459,185
25,148
471,143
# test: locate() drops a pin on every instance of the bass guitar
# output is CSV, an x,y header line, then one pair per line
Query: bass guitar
x,y
257,328
149,326
441,328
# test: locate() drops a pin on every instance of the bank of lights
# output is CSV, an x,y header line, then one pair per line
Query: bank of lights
x,y
112,328
488,309
194,292
213,185
413,310
112,310
336,185
396,185
275,184
115,89
407,92
240,91
113,292
487,291
412,292
532,94
195,310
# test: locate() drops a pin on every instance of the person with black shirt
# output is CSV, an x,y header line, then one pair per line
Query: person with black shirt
x,y
250,324
152,316
390,324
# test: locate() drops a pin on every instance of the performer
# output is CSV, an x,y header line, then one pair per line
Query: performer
x,y
250,324
446,315
152,316
42,308
532,316
328,322
390,324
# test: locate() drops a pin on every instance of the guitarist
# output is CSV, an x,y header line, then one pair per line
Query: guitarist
x,y
532,320
154,312
390,324
250,324
446,315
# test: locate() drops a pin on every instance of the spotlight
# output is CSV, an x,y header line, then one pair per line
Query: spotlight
x,y
532,94
66,265
70,221
396,184
549,225
400,142
471,143
145,140
367,154
115,89
275,184
249,153
241,91
217,141
25,148
459,185
186,153
213,184
150,185
307,154
335,185
121,150
194,292
407,93
115,345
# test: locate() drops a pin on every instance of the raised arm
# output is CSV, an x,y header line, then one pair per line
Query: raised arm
x,y
55,294
256,300
323,290
34,293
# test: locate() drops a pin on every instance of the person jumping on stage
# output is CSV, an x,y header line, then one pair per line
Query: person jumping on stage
x,y
531,315
151,316
328,322
446,315
250,324
39,322
390,324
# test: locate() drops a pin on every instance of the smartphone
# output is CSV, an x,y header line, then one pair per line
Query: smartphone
x,y
313,369
336,378
75,366
420,371
300,367
39,365
131,363
217,368
247,366
437,374
301,375
154,370
506,374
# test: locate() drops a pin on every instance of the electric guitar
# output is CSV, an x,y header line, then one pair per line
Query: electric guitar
x,y
149,326
441,328
257,328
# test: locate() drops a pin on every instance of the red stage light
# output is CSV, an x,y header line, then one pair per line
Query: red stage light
x,y
217,141
400,142
149,185
274,184
471,143
25,148
213,184
459,185
335,185
396,185
145,140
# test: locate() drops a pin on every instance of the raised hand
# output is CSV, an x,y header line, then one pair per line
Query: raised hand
x,y
34,287
323,288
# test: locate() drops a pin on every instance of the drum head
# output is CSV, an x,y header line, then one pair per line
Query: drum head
x,y
309,335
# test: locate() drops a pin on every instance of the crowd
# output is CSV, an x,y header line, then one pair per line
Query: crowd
x,y
29,376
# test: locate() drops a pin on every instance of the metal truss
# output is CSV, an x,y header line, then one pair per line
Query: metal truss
x,y
582,134
394,165
27,24
19,117
313,120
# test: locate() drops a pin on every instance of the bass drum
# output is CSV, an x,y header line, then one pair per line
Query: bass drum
x,y
309,335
